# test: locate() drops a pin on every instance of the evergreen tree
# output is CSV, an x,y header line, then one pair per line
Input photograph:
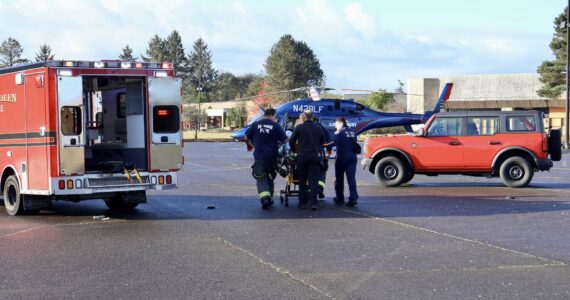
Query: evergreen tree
x,y
156,50
174,53
201,74
44,54
292,64
551,72
11,53
127,54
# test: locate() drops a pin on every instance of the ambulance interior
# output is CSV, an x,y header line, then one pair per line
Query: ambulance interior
x,y
115,135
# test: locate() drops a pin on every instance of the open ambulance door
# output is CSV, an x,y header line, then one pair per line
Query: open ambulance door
x,y
71,125
165,100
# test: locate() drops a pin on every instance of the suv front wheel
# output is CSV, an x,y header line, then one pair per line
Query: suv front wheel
x,y
516,172
391,171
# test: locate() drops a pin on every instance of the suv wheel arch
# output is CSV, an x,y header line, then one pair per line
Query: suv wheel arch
x,y
378,155
511,152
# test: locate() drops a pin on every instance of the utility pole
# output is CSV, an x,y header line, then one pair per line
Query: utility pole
x,y
199,89
567,112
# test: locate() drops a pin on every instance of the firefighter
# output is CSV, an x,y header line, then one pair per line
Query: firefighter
x,y
265,135
346,158
307,141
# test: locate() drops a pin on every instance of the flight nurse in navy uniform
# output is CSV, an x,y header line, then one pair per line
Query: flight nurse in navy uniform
x,y
346,159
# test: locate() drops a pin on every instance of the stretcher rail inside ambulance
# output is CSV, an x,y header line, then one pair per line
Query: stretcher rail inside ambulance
x,y
76,130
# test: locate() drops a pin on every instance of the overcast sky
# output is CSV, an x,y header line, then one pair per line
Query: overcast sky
x,y
361,44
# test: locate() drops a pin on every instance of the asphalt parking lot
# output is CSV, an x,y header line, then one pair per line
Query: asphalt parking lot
x,y
444,237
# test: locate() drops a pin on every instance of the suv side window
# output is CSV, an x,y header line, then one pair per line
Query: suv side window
x,y
521,124
482,126
445,127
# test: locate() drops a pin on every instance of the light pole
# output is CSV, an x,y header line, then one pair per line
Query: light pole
x,y
565,25
199,89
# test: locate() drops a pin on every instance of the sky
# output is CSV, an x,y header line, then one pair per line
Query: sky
x,y
369,44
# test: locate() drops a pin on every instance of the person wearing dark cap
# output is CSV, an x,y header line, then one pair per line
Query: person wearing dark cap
x,y
307,141
265,135
346,159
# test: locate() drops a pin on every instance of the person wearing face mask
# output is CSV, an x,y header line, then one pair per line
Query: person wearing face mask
x,y
346,149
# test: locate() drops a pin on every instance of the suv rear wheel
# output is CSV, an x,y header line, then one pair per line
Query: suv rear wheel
x,y
516,172
391,171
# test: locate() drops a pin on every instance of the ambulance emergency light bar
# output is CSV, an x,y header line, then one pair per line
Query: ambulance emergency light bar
x,y
109,64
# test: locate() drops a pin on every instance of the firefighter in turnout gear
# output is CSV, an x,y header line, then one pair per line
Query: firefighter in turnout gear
x,y
265,135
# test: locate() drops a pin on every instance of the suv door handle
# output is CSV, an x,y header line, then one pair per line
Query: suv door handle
x,y
455,143
494,143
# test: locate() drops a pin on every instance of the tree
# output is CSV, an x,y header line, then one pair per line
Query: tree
x,y
380,100
44,54
551,72
292,64
174,53
229,86
11,53
156,50
237,116
127,54
201,74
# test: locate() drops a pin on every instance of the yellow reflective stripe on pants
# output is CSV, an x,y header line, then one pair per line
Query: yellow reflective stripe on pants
x,y
264,194
322,183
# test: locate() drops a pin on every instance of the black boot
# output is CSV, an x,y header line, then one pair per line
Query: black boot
x,y
351,203
265,202
338,201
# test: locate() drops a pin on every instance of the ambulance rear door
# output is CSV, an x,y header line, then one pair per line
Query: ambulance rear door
x,y
165,100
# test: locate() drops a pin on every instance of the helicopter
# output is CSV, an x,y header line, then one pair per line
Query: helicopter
x,y
359,118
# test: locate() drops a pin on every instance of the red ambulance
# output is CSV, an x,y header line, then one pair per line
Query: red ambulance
x,y
76,130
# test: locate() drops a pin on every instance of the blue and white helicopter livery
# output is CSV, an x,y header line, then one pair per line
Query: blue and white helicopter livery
x,y
359,117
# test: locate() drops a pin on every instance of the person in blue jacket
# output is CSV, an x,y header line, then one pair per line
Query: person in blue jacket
x,y
346,151
265,135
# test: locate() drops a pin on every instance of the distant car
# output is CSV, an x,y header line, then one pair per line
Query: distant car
x,y
510,145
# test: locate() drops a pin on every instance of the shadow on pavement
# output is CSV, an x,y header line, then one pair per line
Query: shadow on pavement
x,y
179,207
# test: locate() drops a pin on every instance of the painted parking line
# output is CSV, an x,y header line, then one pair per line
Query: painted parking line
x,y
547,262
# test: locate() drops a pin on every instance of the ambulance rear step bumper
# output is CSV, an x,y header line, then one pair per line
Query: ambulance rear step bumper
x,y
109,182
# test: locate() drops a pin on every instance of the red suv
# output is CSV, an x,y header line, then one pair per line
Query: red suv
x,y
510,145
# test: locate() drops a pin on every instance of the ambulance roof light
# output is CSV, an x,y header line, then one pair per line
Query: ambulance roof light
x,y
126,65
167,65
65,72
99,64
160,74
